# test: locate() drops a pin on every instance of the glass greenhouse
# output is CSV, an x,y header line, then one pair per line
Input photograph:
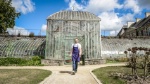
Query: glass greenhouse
x,y
64,26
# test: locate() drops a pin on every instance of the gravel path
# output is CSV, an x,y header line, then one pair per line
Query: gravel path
x,y
62,74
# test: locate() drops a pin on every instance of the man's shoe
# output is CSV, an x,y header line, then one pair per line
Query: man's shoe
x,y
73,73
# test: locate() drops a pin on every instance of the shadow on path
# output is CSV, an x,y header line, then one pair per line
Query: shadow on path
x,y
69,72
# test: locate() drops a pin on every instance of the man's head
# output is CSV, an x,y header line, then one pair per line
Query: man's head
x,y
76,40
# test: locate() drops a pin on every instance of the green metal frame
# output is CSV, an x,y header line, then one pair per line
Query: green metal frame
x,y
60,30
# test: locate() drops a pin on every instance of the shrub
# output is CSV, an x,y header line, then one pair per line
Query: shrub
x,y
34,61
19,35
109,60
11,61
31,34
121,59
36,58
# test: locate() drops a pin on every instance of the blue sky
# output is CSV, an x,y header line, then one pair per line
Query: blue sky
x,y
113,13
42,9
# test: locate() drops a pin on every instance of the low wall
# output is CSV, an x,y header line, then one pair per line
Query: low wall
x,y
95,61
52,62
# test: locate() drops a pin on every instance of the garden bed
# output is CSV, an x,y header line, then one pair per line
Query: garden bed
x,y
104,74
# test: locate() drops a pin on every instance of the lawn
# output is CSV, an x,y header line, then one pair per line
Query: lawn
x,y
103,74
23,76
116,60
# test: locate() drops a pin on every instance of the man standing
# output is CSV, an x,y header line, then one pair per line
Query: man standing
x,y
76,52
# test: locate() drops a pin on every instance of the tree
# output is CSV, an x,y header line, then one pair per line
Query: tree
x,y
31,34
8,15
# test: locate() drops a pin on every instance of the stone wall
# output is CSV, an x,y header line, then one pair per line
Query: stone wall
x,y
95,61
50,62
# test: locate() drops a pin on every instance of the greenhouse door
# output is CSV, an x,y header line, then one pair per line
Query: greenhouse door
x,y
68,45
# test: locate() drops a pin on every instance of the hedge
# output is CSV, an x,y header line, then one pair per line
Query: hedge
x,y
9,61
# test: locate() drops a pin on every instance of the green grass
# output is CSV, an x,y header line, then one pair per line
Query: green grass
x,y
116,60
103,74
111,61
23,76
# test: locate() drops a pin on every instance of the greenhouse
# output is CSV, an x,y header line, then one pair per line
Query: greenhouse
x,y
64,26
22,46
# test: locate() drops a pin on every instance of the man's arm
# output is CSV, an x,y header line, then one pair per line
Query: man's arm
x,y
80,50
71,52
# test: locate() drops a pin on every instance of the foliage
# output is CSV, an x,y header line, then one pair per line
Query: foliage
x,y
18,35
12,61
115,60
137,61
34,61
7,15
121,59
104,74
31,34
137,70
23,76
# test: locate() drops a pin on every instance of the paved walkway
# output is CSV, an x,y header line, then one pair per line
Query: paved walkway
x,y
61,74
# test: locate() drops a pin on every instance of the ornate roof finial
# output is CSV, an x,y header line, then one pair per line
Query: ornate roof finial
x,y
73,8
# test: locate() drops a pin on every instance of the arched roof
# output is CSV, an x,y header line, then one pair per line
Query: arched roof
x,y
73,15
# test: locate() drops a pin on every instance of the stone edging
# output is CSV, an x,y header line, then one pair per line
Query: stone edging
x,y
97,80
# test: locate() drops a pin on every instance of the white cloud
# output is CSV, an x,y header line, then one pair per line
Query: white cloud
x,y
23,6
137,5
110,21
16,30
97,6
144,3
112,33
94,6
44,28
127,17
133,5
73,5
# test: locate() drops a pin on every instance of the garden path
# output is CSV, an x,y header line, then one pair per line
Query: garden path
x,y
62,74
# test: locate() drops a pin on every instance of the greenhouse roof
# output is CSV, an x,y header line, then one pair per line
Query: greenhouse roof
x,y
73,15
